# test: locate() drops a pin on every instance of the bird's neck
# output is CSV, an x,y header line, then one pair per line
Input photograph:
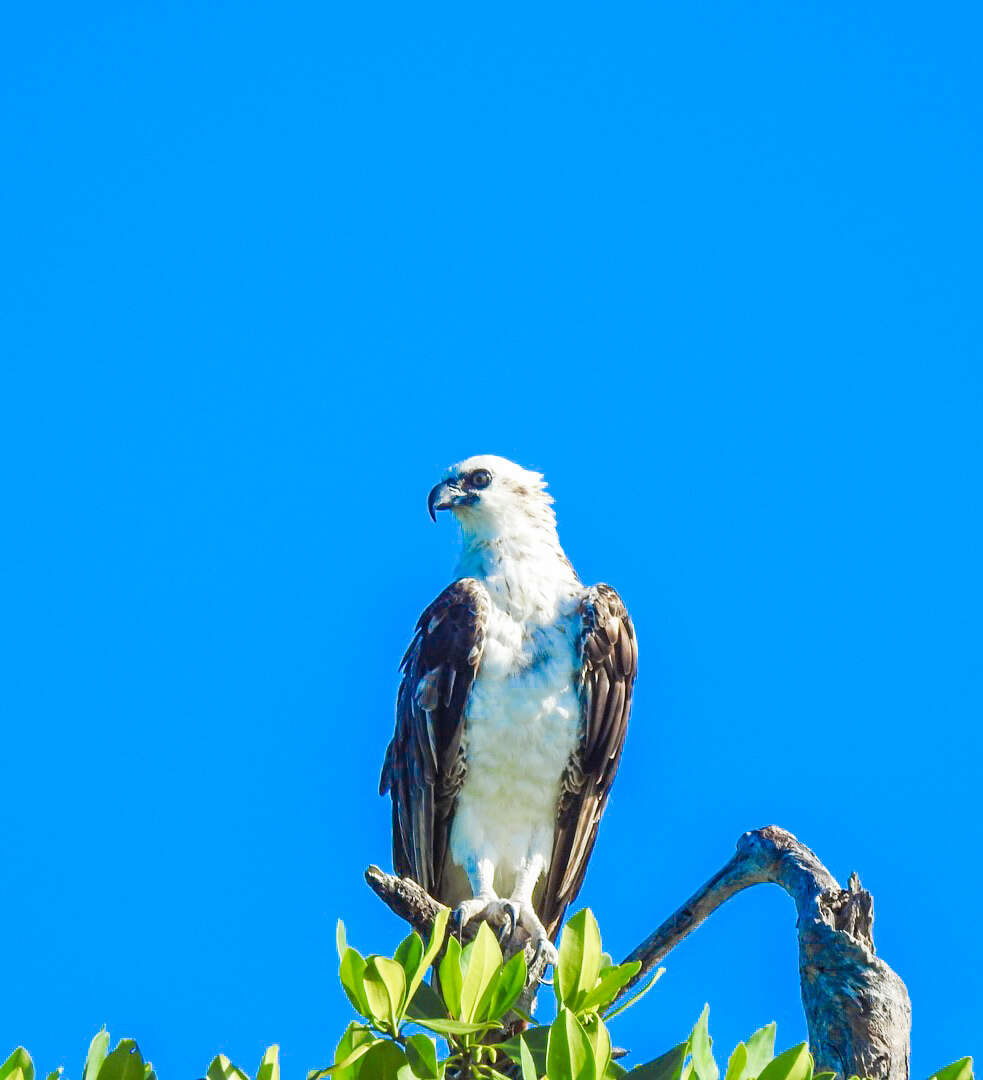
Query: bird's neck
x,y
525,572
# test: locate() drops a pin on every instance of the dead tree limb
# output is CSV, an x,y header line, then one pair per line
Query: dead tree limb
x,y
857,1009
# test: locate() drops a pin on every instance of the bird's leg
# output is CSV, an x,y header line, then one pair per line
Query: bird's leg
x,y
481,875
529,872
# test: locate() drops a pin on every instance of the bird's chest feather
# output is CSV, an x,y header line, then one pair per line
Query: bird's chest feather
x,y
523,716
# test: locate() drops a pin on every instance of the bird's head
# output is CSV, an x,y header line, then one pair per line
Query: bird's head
x,y
491,496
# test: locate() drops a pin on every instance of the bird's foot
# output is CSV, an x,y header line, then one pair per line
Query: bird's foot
x,y
527,920
471,909
516,920
501,914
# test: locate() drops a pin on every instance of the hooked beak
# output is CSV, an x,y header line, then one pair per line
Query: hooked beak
x,y
446,495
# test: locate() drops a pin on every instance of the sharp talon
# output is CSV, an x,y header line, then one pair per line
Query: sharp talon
x,y
544,946
510,914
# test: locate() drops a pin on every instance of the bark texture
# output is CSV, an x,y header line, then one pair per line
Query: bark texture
x,y
857,1009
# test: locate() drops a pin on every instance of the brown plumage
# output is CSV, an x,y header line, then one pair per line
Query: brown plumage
x,y
609,663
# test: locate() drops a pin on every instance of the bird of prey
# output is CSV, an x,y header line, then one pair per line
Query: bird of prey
x,y
511,712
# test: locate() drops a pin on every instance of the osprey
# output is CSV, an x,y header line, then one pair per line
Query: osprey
x,y
511,712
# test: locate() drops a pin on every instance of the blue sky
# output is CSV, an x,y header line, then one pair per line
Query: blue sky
x,y
714,268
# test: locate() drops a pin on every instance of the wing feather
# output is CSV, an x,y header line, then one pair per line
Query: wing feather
x,y
424,768
609,663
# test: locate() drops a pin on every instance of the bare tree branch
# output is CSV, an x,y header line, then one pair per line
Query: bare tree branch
x,y
406,899
857,1009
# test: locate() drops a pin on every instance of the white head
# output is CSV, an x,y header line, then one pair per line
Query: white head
x,y
493,498
509,532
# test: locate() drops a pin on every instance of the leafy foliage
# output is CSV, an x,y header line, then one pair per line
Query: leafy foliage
x,y
472,1005
465,1024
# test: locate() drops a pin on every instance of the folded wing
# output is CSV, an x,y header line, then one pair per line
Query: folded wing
x,y
425,767
609,662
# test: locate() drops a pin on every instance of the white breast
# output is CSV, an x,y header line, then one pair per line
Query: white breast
x,y
523,723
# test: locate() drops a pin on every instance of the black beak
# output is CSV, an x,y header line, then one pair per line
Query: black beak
x,y
441,498
446,494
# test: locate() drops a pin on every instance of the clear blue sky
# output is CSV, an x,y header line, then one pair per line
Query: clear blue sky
x,y
714,268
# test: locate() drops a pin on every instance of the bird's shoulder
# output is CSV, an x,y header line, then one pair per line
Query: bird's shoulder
x,y
451,626
606,629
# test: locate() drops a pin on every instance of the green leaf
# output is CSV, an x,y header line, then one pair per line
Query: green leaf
x,y
827,1076
580,958
98,1049
568,1052
958,1070
600,1041
760,1050
409,956
437,935
19,1063
269,1067
124,1063
340,939
667,1067
353,1055
526,1063
425,1002
355,1036
536,1040
449,974
636,998
737,1063
434,946
794,1064
479,963
456,1027
409,953
422,1054
352,972
222,1069
415,984
385,989
611,980
699,1046
382,1062
504,990
56,1075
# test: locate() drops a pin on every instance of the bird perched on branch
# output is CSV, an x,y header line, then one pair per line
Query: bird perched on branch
x,y
511,713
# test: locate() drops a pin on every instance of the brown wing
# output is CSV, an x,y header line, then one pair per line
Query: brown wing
x,y
609,662
424,767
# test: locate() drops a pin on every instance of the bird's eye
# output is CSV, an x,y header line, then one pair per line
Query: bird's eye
x,y
480,478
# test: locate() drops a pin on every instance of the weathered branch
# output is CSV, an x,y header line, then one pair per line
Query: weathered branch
x,y
405,898
857,1009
